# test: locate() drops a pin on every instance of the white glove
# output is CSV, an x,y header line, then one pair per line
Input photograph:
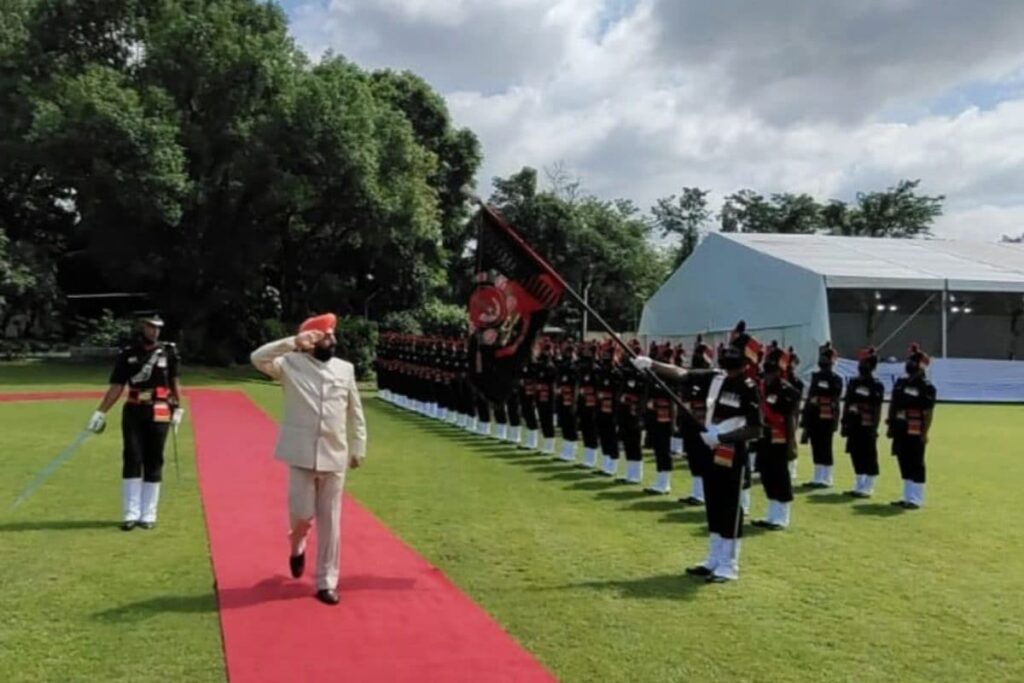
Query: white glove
x,y
176,418
642,363
710,437
97,423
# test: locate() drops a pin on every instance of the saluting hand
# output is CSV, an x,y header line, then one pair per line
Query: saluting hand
x,y
305,341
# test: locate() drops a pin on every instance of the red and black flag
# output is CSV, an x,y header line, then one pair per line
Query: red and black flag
x,y
515,290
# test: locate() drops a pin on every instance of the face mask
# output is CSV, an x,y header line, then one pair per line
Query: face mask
x,y
824,365
911,368
323,354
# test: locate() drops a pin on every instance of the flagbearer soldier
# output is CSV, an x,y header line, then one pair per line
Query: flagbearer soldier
x,y
661,423
774,447
632,393
862,414
694,391
607,382
586,404
149,369
910,421
566,386
546,374
821,416
733,419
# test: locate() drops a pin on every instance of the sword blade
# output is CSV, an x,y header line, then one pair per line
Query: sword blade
x,y
51,467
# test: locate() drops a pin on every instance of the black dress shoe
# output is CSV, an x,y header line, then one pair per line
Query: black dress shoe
x,y
698,570
297,564
147,525
328,596
899,503
763,523
911,506
128,525
690,500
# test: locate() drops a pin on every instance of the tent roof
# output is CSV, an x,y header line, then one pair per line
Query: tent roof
x,y
885,263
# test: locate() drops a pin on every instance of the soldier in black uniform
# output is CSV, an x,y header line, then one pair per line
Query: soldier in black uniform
x,y
773,449
661,419
607,386
545,376
566,388
734,419
149,368
528,398
694,391
910,420
632,393
821,416
586,404
679,360
862,414
793,378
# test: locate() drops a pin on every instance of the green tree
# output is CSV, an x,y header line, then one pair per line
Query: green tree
x,y
899,211
683,217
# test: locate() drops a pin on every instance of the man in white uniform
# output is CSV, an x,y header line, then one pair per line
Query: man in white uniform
x,y
323,434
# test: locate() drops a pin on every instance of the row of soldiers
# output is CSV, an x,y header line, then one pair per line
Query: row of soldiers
x,y
588,393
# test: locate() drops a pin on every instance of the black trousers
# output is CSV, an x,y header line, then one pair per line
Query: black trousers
x,y
608,434
862,445
143,454
500,415
722,497
631,434
909,451
512,409
483,409
698,455
528,408
661,443
588,426
546,416
567,421
821,444
773,464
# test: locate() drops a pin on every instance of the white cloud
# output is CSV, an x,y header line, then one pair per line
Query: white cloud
x,y
641,97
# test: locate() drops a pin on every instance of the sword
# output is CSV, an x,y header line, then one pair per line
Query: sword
x,y
50,468
174,441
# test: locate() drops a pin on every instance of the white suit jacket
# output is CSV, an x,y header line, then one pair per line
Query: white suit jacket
x,y
323,416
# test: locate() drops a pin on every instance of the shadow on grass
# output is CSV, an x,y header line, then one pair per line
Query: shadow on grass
x,y
624,494
58,525
677,586
829,499
273,589
659,504
687,516
568,476
599,484
879,510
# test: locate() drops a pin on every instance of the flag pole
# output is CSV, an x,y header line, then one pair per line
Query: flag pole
x,y
522,244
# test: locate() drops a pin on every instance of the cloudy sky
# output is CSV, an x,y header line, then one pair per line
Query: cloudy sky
x,y
641,97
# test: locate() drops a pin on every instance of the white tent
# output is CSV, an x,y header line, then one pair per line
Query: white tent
x,y
792,288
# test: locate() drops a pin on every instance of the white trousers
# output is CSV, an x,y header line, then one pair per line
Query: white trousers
x,y
317,495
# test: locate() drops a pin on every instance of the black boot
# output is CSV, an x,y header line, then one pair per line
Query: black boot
x,y
297,564
328,596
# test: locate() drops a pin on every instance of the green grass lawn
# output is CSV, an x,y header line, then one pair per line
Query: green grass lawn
x,y
585,573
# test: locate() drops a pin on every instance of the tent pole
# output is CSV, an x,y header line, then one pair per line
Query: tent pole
x,y
945,313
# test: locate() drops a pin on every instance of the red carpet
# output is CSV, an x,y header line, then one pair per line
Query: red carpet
x,y
400,619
